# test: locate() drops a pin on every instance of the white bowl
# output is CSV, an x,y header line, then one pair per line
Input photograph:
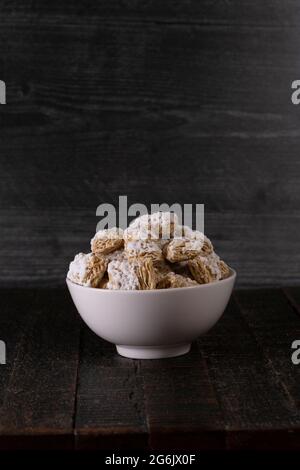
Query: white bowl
x,y
155,323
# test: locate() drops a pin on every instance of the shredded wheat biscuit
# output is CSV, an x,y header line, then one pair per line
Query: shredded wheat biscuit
x,y
138,249
172,280
225,270
160,225
121,275
186,232
119,255
146,274
207,269
181,249
87,269
131,274
162,268
187,247
107,241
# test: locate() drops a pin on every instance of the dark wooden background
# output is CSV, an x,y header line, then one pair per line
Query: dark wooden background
x,y
168,101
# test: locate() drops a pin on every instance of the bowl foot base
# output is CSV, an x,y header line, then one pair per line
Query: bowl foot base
x,y
153,352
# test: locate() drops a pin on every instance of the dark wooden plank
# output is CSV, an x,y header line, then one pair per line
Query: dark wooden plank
x,y
293,295
13,322
259,411
284,12
38,400
237,380
181,405
275,326
110,410
203,108
182,86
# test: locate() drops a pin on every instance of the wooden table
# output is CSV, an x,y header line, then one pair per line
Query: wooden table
x,y
63,387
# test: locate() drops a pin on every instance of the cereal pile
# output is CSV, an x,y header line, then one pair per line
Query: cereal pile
x,y
154,252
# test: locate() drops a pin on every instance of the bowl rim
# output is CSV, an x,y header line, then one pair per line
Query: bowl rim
x,y
232,276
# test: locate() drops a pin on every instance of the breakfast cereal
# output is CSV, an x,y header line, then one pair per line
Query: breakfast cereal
x,y
207,269
154,252
135,249
107,241
87,269
172,280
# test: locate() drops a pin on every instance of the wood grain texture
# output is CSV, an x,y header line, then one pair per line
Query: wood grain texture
x,y
110,410
249,359
236,389
12,326
248,12
275,326
293,295
181,405
180,102
39,381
